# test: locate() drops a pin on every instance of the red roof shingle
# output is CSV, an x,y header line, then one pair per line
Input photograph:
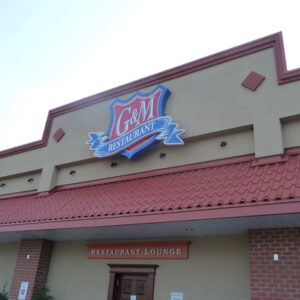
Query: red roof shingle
x,y
235,184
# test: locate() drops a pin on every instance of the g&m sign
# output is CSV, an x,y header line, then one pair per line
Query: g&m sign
x,y
136,124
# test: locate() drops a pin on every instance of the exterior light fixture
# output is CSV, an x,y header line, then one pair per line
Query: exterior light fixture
x,y
189,229
72,172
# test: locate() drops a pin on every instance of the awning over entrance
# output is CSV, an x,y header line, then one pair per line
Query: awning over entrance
x,y
242,187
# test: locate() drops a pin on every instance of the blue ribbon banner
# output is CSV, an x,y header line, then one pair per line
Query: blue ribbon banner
x,y
167,131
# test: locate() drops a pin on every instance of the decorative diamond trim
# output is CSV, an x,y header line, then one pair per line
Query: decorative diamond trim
x,y
253,81
58,135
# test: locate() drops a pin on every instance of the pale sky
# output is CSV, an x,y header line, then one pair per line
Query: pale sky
x,y
57,51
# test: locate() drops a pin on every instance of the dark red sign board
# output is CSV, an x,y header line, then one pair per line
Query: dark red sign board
x,y
145,250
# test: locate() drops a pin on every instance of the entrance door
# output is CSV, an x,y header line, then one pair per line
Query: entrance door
x,y
133,287
131,282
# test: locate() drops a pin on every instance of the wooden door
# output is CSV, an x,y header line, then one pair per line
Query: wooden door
x,y
131,282
133,286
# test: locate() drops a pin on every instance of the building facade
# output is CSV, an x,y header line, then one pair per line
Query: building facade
x,y
210,211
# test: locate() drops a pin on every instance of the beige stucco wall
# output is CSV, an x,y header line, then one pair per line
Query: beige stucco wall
x,y
22,183
211,105
8,258
291,133
217,268
193,151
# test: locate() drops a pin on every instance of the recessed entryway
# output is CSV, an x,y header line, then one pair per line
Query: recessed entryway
x,y
131,282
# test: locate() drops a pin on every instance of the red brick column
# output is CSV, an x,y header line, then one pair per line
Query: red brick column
x,y
271,279
32,266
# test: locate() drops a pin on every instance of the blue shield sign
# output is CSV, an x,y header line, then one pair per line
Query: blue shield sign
x,y
136,124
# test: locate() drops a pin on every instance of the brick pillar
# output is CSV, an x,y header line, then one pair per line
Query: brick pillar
x,y
271,279
32,266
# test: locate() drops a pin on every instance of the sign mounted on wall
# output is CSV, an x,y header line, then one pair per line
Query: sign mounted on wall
x,y
136,124
176,296
23,290
145,250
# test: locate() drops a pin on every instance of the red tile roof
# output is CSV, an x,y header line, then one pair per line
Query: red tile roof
x,y
240,183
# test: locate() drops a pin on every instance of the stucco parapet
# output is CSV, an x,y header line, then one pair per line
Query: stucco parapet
x,y
272,41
